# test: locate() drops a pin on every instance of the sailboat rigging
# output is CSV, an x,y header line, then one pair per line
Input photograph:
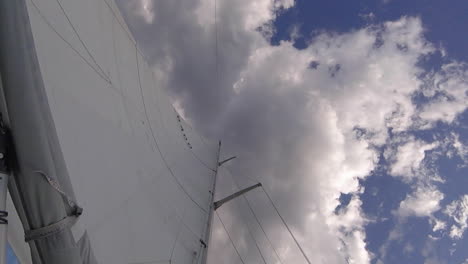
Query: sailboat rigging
x,y
106,171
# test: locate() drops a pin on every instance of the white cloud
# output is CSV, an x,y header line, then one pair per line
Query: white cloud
x,y
458,212
459,148
408,158
438,225
448,93
142,8
308,132
423,202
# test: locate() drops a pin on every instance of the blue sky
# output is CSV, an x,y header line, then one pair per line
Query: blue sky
x,y
445,22
445,26
11,257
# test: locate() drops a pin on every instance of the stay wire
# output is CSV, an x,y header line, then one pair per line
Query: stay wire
x,y
230,239
286,225
156,142
251,234
256,218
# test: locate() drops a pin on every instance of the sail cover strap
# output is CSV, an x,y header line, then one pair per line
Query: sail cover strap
x,y
50,230
61,225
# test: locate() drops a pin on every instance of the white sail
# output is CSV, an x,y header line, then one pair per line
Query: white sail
x,y
142,175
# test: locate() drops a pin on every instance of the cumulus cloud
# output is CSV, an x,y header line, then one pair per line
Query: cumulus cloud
x,y
438,225
408,158
458,212
457,148
423,202
307,123
447,91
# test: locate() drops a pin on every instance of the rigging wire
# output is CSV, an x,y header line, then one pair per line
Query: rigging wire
x,y
227,233
68,43
251,235
286,225
256,218
82,42
263,230
156,142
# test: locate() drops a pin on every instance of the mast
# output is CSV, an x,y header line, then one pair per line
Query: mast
x,y
212,208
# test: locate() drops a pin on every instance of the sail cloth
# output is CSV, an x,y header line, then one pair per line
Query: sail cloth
x,y
93,131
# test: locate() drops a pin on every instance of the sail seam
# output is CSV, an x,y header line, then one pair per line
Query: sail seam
x,y
82,42
68,43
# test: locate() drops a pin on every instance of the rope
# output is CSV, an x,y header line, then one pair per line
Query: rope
x,y
156,142
61,225
286,225
230,239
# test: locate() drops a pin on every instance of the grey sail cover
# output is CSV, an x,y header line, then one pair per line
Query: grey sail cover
x,y
93,131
